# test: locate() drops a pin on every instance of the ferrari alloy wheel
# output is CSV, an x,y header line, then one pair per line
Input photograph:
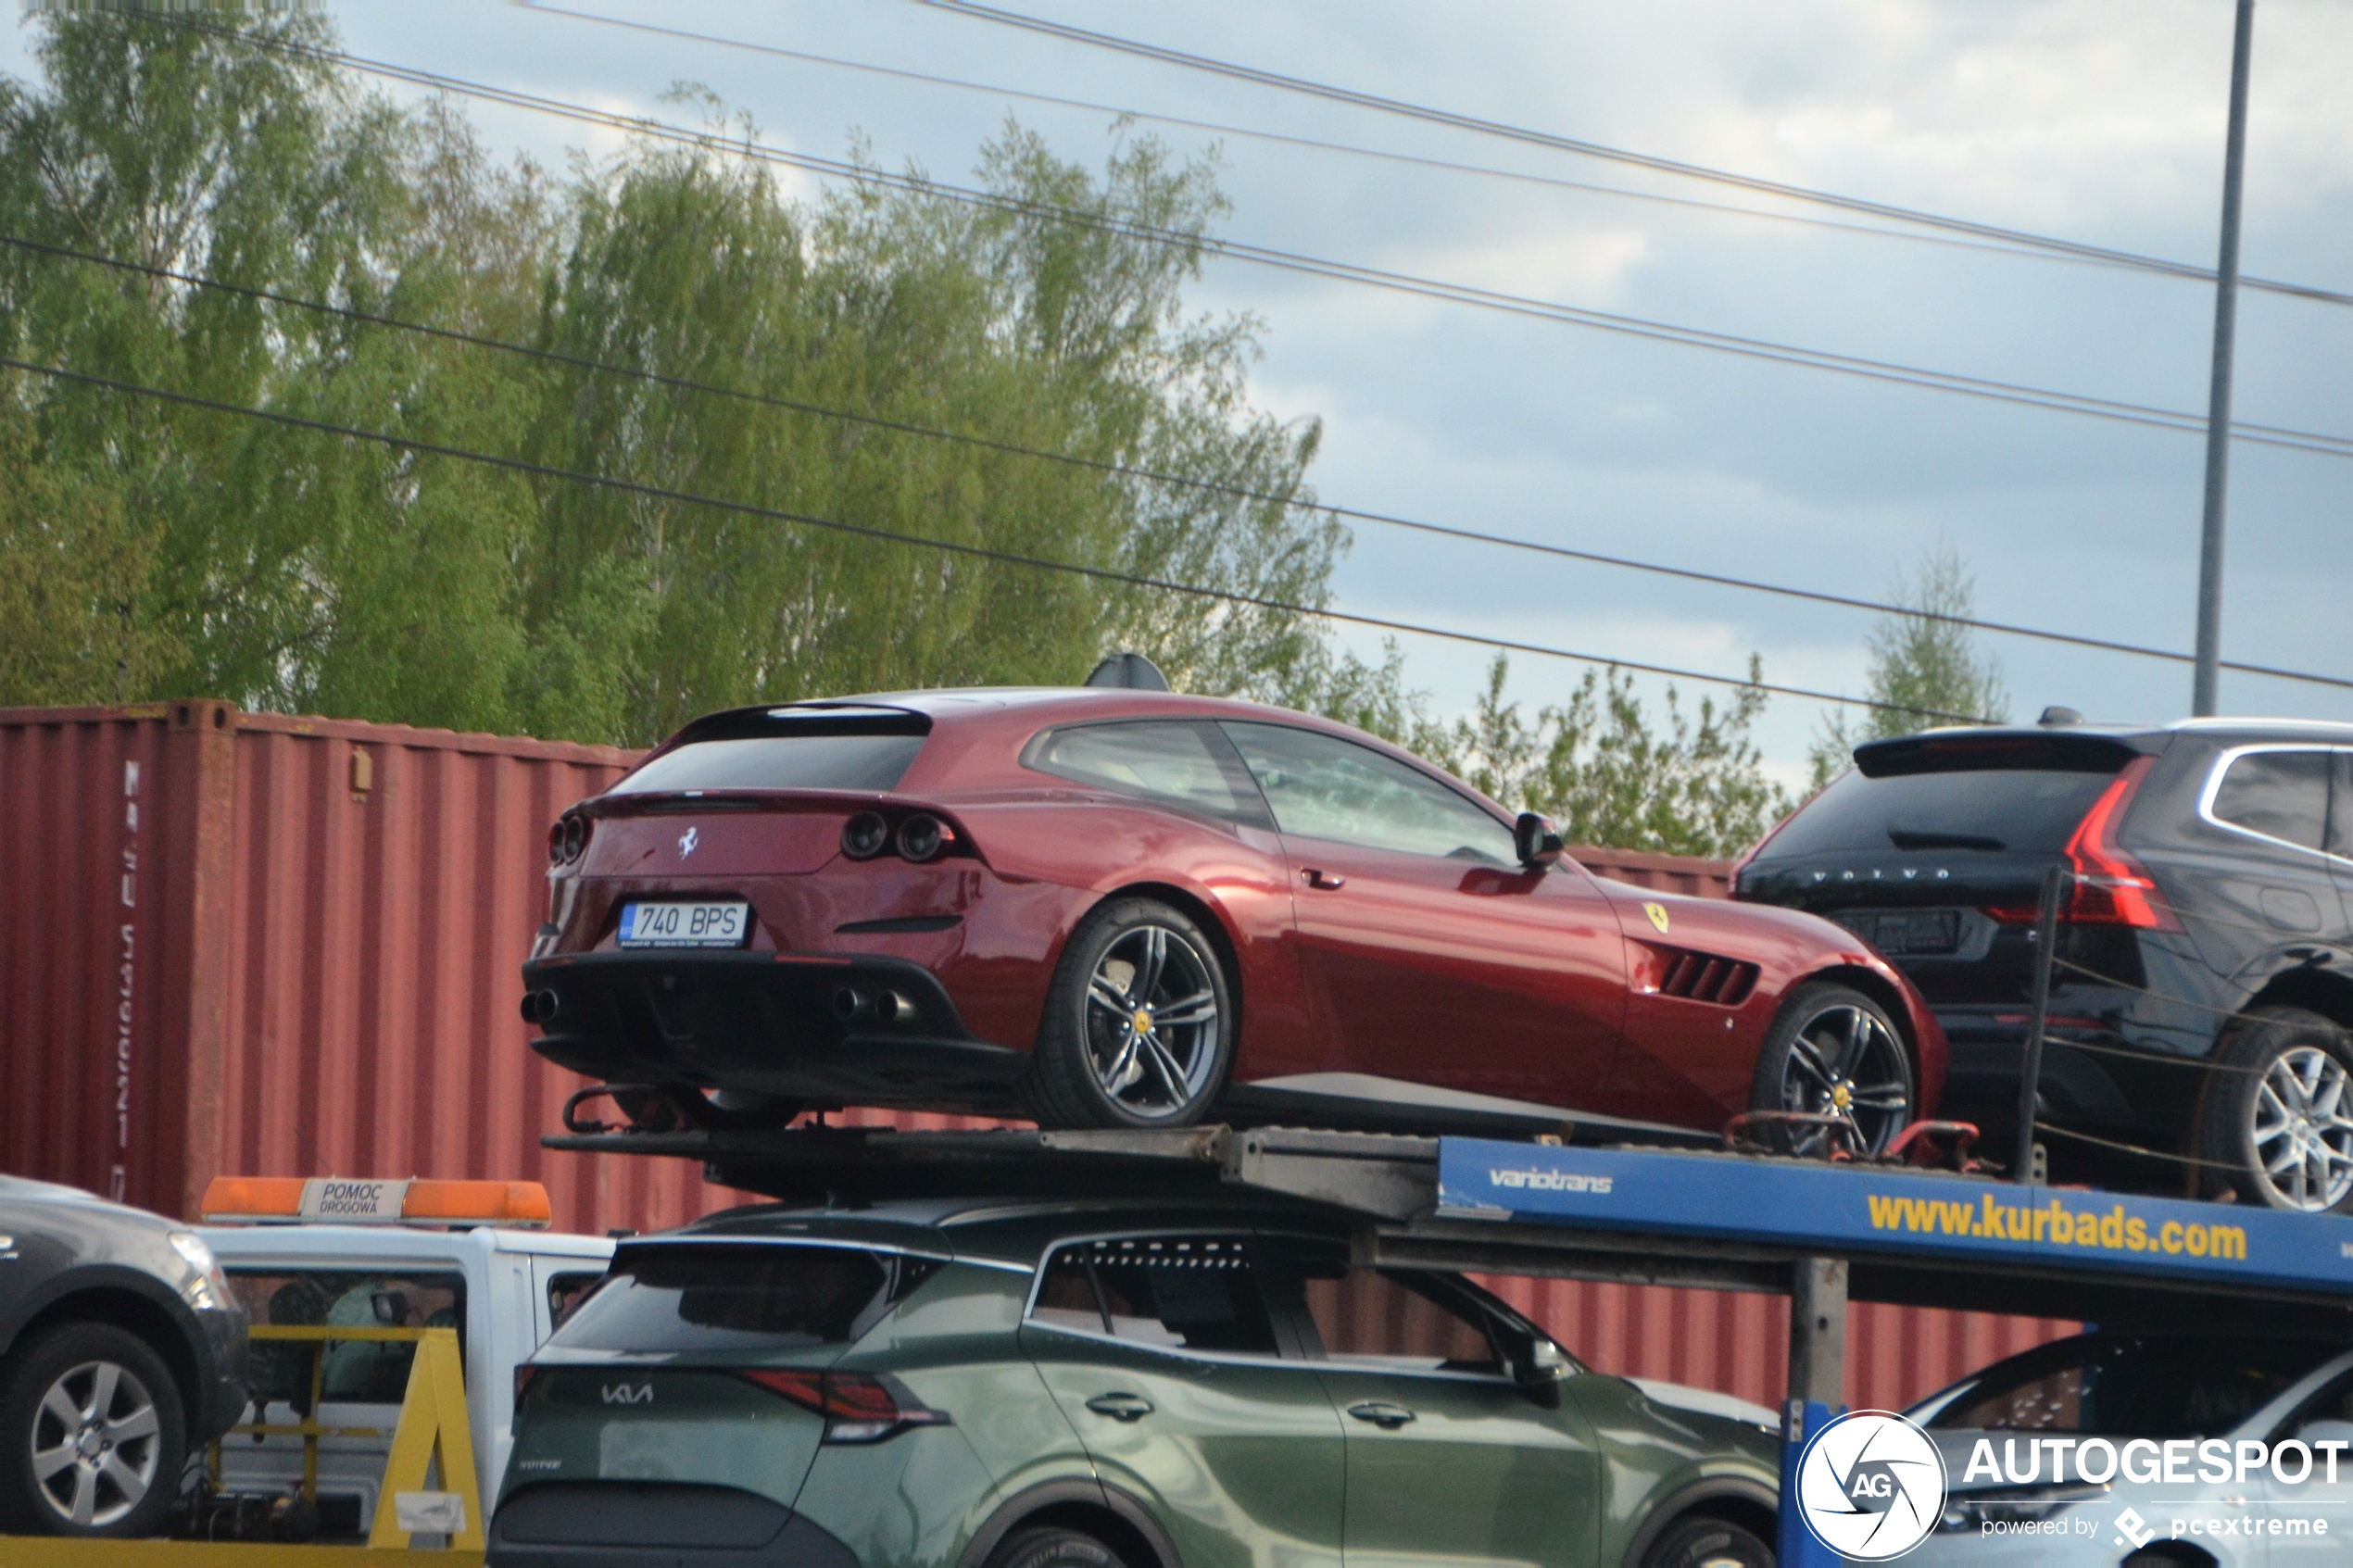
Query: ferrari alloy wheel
x,y
94,1422
1834,1052
2278,1118
1138,1027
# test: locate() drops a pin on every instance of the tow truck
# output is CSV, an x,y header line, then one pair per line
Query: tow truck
x,y
474,1256
1578,1204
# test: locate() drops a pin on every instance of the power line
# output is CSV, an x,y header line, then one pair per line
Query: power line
x,y
978,552
1409,159
1124,470
1599,149
1459,294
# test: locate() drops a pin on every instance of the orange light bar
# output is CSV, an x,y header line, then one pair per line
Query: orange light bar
x,y
340,1201
503,1203
252,1198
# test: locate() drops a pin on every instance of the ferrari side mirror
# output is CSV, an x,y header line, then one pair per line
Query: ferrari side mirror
x,y
1535,841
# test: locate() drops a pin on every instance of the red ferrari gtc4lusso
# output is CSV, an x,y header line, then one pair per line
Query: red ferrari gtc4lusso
x,y
1122,908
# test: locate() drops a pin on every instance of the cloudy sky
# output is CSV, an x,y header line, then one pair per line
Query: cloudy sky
x,y
2097,120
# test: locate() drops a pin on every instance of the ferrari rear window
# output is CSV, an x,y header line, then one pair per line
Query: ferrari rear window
x,y
866,747
820,761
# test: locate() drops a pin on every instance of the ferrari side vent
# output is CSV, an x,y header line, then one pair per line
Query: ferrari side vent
x,y
1703,977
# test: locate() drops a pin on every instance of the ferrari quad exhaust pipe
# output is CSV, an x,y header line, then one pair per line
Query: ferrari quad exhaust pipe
x,y
852,1005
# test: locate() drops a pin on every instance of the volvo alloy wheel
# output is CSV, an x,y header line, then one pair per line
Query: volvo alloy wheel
x,y
2302,1131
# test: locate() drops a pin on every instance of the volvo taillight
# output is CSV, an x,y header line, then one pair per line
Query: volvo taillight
x,y
2112,888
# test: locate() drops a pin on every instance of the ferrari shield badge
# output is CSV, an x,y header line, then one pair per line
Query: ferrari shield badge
x,y
1658,915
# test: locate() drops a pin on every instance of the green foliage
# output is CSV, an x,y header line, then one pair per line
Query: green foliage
x,y
298,571
1921,669
70,568
1600,765
153,551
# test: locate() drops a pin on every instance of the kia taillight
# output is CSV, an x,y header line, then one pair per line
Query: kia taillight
x,y
858,1407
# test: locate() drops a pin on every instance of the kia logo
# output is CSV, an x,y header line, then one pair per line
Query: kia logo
x,y
622,1394
688,840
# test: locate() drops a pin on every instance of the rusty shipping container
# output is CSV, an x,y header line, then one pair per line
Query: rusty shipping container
x,y
243,942
248,942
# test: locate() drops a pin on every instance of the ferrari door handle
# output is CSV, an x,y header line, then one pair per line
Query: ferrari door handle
x,y
1121,1407
1327,881
1386,1417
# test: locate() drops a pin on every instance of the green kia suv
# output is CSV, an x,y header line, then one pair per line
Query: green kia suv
x,y
1093,1382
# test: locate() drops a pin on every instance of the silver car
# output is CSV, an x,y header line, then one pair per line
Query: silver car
x,y
2142,1408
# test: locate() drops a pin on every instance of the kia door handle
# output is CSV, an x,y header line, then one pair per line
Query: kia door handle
x,y
1386,1417
1326,881
1121,1407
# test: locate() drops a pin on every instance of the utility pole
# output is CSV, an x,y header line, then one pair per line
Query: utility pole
x,y
2218,397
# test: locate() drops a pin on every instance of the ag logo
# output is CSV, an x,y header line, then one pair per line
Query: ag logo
x,y
623,1393
1871,1486
1658,915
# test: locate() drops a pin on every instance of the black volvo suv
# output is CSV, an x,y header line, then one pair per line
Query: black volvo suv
x,y
2203,971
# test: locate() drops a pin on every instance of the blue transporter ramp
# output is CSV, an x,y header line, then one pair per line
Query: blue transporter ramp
x,y
1920,1217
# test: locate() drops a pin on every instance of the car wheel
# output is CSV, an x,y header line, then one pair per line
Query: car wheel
x,y
1138,1027
2276,1125
1051,1547
1708,1543
1833,1051
95,1439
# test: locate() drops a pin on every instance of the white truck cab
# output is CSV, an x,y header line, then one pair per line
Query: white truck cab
x,y
464,1255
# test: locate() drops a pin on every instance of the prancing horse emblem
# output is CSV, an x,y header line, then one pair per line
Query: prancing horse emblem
x,y
692,836
1659,916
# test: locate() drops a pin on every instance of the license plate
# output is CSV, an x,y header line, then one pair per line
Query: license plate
x,y
1915,932
711,924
